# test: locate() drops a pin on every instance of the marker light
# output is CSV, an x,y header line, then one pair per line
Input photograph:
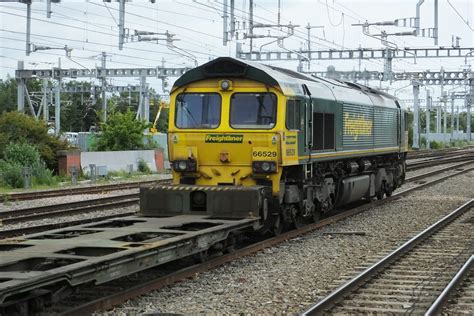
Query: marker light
x,y
225,85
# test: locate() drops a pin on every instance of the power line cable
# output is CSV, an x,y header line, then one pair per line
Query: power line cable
x,y
94,51
329,17
188,39
297,36
166,23
109,34
460,16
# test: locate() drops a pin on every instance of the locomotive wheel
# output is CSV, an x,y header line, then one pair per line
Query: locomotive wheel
x,y
380,195
299,221
316,216
279,227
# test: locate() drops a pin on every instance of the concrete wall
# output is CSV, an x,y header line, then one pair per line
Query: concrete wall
x,y
440,137
117,160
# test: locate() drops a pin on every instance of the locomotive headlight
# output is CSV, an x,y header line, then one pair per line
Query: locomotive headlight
x,y
182,165
188,165
264,166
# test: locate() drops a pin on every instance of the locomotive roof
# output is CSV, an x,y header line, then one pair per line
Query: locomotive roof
x,y
289,81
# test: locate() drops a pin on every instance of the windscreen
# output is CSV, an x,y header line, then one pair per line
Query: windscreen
x,y
253,110
198,110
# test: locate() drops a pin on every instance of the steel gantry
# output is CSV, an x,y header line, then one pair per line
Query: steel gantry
x,y
58,74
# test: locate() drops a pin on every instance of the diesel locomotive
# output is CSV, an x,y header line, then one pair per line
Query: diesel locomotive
x,y
253,140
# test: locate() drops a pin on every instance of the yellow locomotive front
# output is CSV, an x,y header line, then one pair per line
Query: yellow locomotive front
x,y
226,137
226,132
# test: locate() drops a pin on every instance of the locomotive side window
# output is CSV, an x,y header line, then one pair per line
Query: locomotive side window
x,y
293,114
198,110
323,131
253,110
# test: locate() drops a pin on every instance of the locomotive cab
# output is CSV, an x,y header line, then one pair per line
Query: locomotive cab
x,y
226,136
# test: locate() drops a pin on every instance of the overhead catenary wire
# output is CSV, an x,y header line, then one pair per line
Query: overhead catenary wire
x,y
146,26
244,17
95,51
105,33
329,17
460,16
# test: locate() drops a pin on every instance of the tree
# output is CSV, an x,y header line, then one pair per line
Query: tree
x,y
17,127
122,132
8,93
78,110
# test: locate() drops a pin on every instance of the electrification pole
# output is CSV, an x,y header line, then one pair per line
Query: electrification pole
x,y
452,115
435,29
428,108
28,28
45,101
104,84
20,90
251,24
469,98
416,135
57,108
121,24
225,35
445,121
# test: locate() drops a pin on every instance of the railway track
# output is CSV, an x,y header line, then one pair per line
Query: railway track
x,y
428,158
437,171
71,208
458,296
408,279
86,206
436,153
31,195
429,162
118,297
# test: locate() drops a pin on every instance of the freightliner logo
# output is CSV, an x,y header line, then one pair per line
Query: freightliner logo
x,y
223,138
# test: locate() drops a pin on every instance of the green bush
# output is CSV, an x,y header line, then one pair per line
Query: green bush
x,y
42,175
16,127
19,155
436,145
423,142
122,132
143,166
11,174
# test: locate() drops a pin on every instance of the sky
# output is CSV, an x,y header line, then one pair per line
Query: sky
x,y
90,27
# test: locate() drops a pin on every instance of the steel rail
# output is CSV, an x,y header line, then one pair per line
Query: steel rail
x,y
442,299
433,162
31,195
71,211
120,297
435,153
435,172
340,293
5,216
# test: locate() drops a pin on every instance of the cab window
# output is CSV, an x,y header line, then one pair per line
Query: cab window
x,y
253,110
198,110
293,114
